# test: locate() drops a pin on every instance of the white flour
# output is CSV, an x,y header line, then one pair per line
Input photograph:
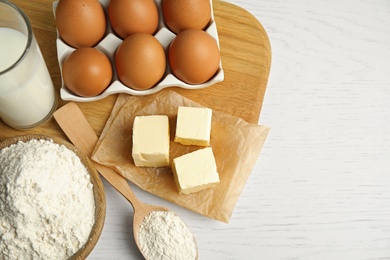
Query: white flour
x,y
47,208
163,235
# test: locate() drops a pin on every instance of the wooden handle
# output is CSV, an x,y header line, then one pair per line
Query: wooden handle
x,y
119,183
74,124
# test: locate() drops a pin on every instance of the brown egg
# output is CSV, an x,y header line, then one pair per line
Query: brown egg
x,y
140,61
87,72
80,23
133,16
194,56
180,15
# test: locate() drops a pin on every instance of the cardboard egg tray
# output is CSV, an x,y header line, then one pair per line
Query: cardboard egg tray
x,y
108,46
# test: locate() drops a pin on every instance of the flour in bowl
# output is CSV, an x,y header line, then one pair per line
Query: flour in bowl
x,y
47,206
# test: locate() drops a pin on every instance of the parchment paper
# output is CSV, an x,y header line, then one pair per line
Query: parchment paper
x,y
236,146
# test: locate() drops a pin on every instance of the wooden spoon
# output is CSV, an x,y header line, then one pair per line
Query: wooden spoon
x,y
74,124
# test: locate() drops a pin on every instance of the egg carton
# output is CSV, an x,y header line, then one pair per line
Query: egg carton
x,y
108,46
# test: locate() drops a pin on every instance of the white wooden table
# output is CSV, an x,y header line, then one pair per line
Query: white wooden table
x,y
321,186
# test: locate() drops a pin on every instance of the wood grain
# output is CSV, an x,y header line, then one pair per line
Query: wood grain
x,y
246,60
322,182
321,187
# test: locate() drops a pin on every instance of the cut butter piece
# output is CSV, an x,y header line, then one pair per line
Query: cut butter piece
x,y
193,126
151,141
195,171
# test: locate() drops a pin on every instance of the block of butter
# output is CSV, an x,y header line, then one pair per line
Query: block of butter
x,y
193,126
195,171
151,141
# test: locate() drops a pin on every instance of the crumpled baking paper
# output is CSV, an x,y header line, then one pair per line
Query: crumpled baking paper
x,y
236,146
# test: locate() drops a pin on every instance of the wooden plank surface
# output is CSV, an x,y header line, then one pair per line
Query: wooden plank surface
x,y
246,60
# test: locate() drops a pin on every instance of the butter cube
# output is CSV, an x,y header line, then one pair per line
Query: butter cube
x,y
193,126
195,171
151,141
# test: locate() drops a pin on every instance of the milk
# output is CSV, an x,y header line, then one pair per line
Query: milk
x,y
27,94
12,45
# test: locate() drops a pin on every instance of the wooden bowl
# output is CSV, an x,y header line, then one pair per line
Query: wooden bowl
x,y
98,191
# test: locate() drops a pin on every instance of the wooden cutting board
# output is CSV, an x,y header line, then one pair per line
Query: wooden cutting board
x,y
246,60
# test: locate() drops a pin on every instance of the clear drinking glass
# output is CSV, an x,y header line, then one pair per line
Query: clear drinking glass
x,y
27,93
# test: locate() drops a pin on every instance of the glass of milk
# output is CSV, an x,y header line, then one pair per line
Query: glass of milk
x,y
27,93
